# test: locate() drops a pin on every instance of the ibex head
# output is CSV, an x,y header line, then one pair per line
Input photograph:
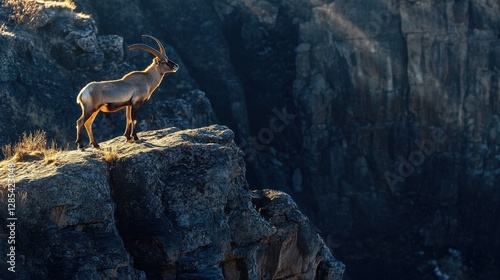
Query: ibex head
x,y
165,65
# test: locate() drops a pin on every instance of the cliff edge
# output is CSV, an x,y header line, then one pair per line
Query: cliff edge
x,y
174,205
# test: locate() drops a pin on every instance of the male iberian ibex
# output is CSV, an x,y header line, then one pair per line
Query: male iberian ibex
x,y
129,92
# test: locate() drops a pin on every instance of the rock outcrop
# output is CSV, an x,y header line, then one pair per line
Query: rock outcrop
x,y
175,205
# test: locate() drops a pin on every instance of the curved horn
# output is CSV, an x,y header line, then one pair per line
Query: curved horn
x,y
160,46
148,49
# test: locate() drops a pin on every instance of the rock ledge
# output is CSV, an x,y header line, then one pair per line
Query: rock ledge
x,y
174,205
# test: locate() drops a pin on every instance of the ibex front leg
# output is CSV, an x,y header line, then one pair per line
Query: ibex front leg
x,y
128,128
135,109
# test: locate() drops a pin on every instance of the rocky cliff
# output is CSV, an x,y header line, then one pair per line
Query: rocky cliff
x,y
379,118
174,206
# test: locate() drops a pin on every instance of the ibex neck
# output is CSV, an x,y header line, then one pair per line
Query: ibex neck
x,y
154,76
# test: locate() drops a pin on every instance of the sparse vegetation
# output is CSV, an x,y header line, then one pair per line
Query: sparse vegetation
x,y
26,11
31,146
110,155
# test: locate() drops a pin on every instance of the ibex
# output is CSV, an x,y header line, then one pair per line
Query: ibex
x,y
130,92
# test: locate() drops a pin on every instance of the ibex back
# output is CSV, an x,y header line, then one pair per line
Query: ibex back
x,y
129,92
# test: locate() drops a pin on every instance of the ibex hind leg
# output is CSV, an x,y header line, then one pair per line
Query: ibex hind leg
x,y
88,127
79,123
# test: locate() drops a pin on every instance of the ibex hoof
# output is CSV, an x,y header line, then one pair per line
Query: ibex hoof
x,y
80,146
131,140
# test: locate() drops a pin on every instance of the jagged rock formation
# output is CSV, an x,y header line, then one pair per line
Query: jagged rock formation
x,y
176,205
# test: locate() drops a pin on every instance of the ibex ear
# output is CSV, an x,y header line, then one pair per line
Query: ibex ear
x,y
157,61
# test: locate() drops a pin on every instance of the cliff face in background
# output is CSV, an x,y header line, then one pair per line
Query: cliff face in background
x,y
379,118
174,206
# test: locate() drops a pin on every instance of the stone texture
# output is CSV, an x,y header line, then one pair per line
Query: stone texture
x,y
66,226
175,205
410,88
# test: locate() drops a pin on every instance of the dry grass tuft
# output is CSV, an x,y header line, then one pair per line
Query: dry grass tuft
x,y
31,146
110,155
48,154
